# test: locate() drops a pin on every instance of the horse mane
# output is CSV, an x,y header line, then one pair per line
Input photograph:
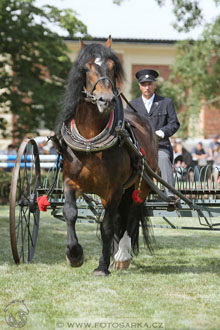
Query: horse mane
x,y
77,76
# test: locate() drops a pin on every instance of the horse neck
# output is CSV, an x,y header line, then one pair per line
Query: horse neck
x,y
89,121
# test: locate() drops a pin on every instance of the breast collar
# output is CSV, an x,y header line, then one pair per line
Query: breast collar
x,y
104,140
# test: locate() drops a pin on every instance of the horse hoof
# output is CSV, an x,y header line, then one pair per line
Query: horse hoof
x,y
75,262
98,272
122,265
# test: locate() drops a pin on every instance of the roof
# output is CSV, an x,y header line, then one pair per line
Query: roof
x,y
128,40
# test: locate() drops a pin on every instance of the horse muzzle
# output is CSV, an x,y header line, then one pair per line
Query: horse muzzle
x,y
104,103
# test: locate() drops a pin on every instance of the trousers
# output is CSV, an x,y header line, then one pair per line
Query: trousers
x,y
166,169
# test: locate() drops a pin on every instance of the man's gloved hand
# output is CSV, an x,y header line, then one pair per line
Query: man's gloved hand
x,y
160,134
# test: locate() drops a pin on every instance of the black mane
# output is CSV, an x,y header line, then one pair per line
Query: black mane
x,y
76,79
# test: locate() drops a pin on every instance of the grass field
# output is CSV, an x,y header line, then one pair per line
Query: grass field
x,y
177,288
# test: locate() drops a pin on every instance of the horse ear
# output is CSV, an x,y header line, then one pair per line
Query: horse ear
x,y
109,42
82,43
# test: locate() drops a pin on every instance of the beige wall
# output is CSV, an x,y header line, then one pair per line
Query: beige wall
x,y
135,53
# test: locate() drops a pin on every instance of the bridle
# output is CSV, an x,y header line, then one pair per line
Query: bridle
x,y
105,139
90,97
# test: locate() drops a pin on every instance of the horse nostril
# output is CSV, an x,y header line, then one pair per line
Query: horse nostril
x,y
104,100
101,99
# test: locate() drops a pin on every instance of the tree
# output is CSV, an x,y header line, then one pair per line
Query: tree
x,y
188,13
34,62
195,74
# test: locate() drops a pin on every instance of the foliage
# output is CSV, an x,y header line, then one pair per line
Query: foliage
x,y
5,183
188,13
135,90
34,62
195,74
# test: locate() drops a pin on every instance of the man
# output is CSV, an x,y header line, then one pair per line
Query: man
x,y
182,161
161,113
198,154
199,159
214,143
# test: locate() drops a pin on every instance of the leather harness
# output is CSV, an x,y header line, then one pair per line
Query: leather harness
x,y
104,140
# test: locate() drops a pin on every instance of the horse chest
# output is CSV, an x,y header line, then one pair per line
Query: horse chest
x,y
101,168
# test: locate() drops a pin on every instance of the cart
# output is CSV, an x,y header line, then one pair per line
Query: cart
x,y
199,198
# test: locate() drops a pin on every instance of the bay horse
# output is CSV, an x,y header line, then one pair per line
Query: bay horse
x,y
96,161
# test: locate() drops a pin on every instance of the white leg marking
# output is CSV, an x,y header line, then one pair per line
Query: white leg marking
x,y
123,249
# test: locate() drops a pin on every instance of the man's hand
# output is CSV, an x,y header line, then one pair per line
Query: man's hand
x,y
160,133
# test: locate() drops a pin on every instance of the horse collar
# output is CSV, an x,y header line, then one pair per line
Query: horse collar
x,y
104,140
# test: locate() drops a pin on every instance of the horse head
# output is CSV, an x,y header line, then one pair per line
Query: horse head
x,y
92,79
100,83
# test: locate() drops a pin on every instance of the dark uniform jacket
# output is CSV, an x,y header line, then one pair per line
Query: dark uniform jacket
x,y
162,116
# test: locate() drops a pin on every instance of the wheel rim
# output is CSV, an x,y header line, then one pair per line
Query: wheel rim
x,y
24,211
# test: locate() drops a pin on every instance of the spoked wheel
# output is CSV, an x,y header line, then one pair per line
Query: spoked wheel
x,y
24,211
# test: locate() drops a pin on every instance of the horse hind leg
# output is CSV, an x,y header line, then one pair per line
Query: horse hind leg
x,y
131,216
74,251
130,240
122,256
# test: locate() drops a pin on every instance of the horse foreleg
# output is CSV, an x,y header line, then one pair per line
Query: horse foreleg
x,y
74,251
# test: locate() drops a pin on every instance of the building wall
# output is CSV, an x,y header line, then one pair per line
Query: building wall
x,y
136,54
210,121
163,70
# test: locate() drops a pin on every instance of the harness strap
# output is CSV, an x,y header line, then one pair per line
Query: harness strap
x,y
128,103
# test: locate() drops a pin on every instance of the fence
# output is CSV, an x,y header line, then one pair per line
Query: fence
x,y
8,161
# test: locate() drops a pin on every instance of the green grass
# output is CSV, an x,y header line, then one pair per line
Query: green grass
x,y
177,288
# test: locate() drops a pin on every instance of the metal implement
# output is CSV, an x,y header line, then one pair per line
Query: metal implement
x,y
198,197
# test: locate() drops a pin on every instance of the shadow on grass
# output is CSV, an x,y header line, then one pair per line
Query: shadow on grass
x,y
55,251
209,265
188,241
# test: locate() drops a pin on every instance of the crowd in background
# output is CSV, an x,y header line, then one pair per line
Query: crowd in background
x,y
45,149
10,150
197,157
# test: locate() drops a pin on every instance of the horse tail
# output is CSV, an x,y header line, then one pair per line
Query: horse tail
x,y
138,218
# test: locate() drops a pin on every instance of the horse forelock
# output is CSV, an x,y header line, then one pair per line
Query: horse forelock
x,y
98,51
77,76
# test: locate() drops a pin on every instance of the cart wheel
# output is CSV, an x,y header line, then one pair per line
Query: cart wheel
x,y
24,211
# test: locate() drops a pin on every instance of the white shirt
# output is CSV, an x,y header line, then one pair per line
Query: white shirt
x,y
148,103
